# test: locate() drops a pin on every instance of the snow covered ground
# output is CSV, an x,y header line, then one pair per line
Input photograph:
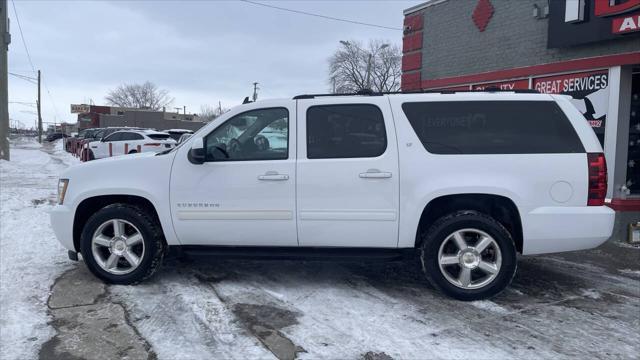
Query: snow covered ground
x,y
575,305
30,258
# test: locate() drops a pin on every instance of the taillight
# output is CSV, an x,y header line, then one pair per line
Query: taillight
x,y
597,179
153,144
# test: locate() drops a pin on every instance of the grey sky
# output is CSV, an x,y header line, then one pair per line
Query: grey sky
x,y
201,51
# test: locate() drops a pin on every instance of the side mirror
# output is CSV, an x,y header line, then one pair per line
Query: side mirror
x,y
197,153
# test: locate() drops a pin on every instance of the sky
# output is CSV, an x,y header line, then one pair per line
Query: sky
x,y
202,52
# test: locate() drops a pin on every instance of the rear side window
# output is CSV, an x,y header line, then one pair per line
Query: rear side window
x,y
131,136
345,131
159,136
114,137
492,127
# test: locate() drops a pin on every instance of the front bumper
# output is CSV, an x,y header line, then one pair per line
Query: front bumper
x,y
62,224
558,229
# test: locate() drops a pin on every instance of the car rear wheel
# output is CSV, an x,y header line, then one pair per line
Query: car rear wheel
x,y
122,244
468,255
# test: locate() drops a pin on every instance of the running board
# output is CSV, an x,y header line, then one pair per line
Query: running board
x,y
297,253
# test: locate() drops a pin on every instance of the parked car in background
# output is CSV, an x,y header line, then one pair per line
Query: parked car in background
x,y
55,136
80,147
129,141
177,133
184,137
466,181
92,142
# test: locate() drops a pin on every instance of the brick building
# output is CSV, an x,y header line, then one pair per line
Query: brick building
x,y
92,116
589,49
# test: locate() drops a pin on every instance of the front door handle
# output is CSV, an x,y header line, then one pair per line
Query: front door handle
x,y
273,176
375,174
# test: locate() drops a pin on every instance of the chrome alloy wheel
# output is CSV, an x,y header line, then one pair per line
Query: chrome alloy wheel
x,y
117,246
469,258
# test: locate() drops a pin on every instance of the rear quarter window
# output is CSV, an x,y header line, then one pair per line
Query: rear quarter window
x,y
492,127
159,136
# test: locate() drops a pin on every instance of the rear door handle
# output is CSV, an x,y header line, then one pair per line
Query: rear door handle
x,y
375,174
273,176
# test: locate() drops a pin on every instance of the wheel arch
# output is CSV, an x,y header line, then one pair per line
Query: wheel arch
x,y
89,206
500,207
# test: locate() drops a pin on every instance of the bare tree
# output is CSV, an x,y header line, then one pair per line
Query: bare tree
x,y
141,96
353,68
208,112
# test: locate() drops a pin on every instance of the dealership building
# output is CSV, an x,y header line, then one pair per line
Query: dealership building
x,y
589,49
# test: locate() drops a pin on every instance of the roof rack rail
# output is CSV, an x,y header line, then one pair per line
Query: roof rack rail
x,y
369,92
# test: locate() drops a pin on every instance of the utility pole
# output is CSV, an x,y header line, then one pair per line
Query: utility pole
x,y
219,108
255,91
184,109
5,40
39,112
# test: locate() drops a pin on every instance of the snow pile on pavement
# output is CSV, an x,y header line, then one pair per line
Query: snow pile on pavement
x,y
30,256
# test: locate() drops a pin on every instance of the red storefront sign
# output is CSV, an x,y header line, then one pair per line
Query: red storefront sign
x,y
608,7
522,84
626,24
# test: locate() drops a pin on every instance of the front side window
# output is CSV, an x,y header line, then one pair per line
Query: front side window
x,y
345,131
261,134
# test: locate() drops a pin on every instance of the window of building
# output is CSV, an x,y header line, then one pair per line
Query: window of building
x,y
345,131
261,134
492,127
633,154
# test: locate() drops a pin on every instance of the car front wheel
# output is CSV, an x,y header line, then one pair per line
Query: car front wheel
x,y
122,244
468,255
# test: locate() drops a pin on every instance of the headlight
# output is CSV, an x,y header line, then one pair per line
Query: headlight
x,y
62,190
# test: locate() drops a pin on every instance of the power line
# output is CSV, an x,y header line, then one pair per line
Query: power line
x,y
24,42
55,109
23,77
22,36
320,16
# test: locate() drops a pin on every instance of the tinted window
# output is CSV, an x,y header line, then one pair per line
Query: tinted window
x,y
345,131
492,127
159,136
261,134
130,136
99,135
114,137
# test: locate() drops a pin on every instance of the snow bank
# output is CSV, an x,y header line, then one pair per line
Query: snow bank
x,y
30,256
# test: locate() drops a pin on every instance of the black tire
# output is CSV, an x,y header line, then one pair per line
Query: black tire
x,y
133,152
467,219
150,230
89,155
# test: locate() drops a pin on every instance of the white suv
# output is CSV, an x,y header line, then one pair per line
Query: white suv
x,y
465,180
133,141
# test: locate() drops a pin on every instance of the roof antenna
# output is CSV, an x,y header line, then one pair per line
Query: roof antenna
x,y
246,100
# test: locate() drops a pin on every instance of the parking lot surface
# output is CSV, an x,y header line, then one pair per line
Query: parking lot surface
x,y
582,304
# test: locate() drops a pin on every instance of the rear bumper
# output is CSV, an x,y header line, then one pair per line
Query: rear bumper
x,y
62,224
558,229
